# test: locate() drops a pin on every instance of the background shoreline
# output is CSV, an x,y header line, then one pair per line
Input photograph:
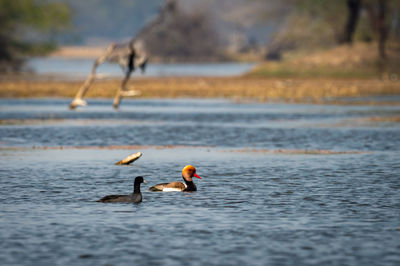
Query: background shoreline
x,y
242,88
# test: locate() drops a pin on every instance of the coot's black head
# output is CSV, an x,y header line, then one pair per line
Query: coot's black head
x,y
139,180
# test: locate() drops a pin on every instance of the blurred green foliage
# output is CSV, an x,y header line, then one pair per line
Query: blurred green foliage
x,y
27,27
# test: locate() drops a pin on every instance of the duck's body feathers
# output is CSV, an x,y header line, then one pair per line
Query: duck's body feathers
x,y
158,187
135,198
173,186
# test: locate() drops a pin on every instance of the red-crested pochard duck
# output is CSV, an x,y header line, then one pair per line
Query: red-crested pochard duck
x,y
188,172
135,197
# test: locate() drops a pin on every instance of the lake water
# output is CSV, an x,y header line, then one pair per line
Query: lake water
x,y
282,184
80,68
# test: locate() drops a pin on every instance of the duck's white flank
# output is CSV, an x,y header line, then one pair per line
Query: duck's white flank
x,y
169,189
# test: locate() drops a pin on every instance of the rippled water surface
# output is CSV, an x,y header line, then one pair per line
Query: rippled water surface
x,y
282,184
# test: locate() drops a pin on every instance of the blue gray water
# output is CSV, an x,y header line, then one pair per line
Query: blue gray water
x,y
282,184
80,68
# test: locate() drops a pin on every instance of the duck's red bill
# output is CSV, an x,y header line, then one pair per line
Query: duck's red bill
x,y
197,176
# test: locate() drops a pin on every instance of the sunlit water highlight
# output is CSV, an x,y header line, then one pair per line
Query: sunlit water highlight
x,y
252,207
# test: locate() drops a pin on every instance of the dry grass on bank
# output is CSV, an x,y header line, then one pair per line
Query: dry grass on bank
x,y
360,60
320,76
236,88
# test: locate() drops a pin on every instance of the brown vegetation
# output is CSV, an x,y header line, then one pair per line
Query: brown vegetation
x,y
296,151
236,88
168,147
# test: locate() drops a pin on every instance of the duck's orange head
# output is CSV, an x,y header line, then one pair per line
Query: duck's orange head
x,y
189,171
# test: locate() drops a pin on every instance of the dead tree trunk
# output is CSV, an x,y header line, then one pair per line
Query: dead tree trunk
x,y
128,55
354,8
382,28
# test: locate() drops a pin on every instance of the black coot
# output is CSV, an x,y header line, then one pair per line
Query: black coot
x,y
135,197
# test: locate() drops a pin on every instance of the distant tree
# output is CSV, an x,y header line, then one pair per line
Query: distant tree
x,y
378,13
23,20
184,35
312,20
354,9
308,24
